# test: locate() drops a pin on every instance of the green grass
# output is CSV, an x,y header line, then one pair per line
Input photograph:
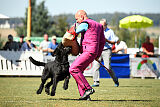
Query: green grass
x,y
21,92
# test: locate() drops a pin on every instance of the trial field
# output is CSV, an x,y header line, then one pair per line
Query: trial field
x,y
21,92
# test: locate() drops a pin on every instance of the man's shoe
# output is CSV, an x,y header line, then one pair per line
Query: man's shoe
x,y
95,85
87,93
86,98
116,84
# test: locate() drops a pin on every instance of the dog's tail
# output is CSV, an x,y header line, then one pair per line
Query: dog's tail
x,y
36,62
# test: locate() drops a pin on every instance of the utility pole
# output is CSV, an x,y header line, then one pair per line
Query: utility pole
x,y
29,20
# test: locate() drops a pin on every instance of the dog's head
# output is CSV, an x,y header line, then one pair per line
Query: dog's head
x,y
61,52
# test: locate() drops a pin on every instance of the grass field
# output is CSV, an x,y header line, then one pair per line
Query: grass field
x,y
21,92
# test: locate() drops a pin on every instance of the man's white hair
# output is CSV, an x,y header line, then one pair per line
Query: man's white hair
x,y
104,20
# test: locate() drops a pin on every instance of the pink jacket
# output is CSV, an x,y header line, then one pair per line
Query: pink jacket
x,y
93,39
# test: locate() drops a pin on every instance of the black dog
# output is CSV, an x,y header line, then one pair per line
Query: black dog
x,y
57,70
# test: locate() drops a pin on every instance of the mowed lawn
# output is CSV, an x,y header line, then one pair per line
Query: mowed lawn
x,y
21,92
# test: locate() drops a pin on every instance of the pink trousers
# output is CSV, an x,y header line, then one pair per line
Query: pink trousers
x,y
77,68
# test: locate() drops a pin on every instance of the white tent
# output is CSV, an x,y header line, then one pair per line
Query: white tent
x,y
3,16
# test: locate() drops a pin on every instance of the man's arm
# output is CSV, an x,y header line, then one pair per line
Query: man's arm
x,y
44,50
111,42
125,51
5,46
82,28
110,37
50,48
148,53
23,47
117,50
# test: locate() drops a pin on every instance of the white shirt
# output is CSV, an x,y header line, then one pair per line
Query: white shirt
x,y
109,35
44,44
122,45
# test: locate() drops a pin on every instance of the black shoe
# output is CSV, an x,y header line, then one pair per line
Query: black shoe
x,y
116,84
86,98
97,85
87,93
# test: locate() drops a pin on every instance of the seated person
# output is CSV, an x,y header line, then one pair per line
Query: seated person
x,y
28,45
120,47
20,43
147,48
52,45
10,44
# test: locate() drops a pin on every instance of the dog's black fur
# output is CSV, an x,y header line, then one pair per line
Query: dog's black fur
x,y
57,70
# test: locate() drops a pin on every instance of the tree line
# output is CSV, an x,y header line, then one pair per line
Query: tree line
x,y
42,23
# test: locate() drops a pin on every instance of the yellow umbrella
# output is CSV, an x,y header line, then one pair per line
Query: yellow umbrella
x,y
135,21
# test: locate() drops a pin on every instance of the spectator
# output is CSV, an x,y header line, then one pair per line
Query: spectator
x,y
28,45
120,47
106,55
148,48
10,44
52,45
91,46
20,43
44,45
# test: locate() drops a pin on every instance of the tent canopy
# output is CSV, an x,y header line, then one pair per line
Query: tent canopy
x,y
3,16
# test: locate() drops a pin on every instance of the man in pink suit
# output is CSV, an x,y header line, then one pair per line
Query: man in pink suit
x,y
91,46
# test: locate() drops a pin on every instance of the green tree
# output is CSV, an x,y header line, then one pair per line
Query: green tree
x,y
1,42
61,25
41,21
22,30
114,21
125,35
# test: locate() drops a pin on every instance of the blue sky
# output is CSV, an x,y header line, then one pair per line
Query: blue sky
x,y
16,8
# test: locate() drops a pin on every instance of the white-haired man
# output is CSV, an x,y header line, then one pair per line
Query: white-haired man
x,y
106,55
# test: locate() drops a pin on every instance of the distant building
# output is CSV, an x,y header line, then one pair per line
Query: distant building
x,y
6,24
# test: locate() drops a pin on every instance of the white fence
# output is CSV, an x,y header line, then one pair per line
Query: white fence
x,y
17,63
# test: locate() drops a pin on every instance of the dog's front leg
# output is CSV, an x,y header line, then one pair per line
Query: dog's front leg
x,y
39,91
43,79
48,86
66,81
55,81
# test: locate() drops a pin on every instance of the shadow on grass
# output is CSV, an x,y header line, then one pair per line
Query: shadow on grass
x,y
136,86
68,99
128,86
